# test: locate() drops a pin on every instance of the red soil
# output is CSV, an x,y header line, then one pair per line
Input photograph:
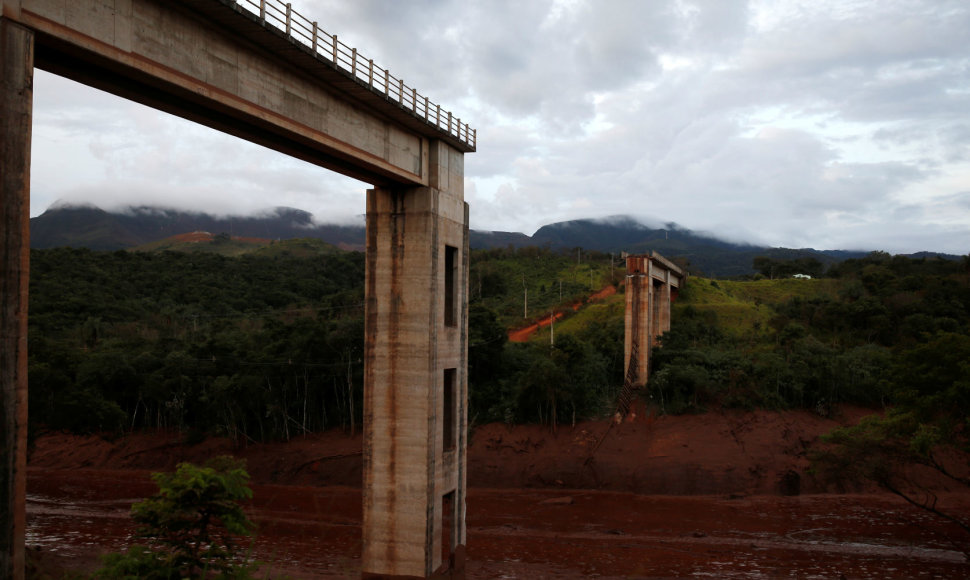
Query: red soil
x,y
696,495
714,453
193,237
523,334
604,293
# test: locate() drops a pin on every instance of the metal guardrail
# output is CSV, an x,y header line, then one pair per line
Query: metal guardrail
x,y
281,16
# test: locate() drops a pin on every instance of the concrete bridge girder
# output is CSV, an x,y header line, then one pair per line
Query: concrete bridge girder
x,y
221,69
208,62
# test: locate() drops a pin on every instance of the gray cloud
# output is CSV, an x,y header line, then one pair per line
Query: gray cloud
x,y
828,124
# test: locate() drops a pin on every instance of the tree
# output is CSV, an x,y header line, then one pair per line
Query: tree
x,y
191,525
926,429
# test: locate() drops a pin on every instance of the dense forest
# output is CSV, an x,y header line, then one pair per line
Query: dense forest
x,y
255,346
813,344
269,345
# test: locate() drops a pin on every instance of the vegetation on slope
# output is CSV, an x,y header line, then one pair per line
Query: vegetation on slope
x,y
249,347
525,284
269,344
805,343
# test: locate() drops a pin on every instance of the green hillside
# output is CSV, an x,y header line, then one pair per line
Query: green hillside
x,y
231,246
269,343
745,306
526,284
806,343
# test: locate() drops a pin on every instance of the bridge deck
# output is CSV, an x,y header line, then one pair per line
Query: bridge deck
x,y
276,27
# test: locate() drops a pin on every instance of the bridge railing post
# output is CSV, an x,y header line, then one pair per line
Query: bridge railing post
x,y
283,17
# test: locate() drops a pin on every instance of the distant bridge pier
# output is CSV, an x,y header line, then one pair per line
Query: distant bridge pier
x,y
415,385
16,107
652,283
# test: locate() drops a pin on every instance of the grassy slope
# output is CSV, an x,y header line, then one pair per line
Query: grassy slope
x,y
742,307
612,308
542,275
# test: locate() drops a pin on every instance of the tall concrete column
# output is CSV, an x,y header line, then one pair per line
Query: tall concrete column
x,y
650,328
415,385
663,301
628,317
637,319
16,104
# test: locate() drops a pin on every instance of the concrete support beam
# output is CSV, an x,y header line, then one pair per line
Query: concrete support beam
x,y
663,314
415,386
16,105
208,62
637,318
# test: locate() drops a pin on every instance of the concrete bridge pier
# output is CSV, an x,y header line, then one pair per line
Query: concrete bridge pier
x,y
652,284
638,304
16,106
415,387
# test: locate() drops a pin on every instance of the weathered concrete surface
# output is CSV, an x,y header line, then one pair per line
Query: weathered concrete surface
x,y
214,63
652,282
410,350
16,102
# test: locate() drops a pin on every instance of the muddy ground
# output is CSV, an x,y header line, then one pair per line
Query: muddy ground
x,y
721,495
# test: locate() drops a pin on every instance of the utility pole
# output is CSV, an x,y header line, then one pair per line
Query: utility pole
x,y
552,330
525,312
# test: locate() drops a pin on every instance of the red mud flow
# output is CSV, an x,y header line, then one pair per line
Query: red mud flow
x,y
664,497
523,334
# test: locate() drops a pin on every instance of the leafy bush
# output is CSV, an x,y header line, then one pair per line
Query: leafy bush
x,y
192,525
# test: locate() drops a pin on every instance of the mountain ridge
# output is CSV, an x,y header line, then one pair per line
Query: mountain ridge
x,y
97,229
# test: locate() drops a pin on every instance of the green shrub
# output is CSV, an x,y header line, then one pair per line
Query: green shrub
x,y
191,526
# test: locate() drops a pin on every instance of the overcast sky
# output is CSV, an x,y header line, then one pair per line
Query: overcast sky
x,y
841,124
